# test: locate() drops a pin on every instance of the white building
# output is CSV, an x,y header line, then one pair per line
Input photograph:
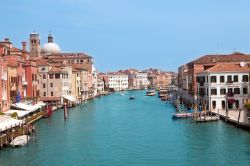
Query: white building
x,y
138,80
100,86
224,86
118,81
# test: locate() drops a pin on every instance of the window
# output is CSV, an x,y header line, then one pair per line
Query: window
x,y
51,84
51,76
51,93
229,79
213,79
213,91
236,90
33,78
44,94
44,76
230,91
237,104
222,91
43,69
235,78
214,104
245,78
223,104
44,85
245,90
57,76
222,79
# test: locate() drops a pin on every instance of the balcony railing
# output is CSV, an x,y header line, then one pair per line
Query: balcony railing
x,y
229,82
25,83
4,77
34,82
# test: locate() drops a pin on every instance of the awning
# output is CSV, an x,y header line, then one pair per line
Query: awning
x,y
20,113
70,98
41,104
6,122
24,106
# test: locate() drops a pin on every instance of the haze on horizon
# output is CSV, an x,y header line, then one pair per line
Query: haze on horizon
x,y
133,34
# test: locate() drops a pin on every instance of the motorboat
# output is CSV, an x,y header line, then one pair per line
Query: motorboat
x,y
181,115
131,98
151,93
20,140
122,94
206,118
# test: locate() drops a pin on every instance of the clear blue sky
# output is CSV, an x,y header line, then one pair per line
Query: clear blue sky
x,y
133,33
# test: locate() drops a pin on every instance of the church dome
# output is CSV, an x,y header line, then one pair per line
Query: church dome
x,y
52,48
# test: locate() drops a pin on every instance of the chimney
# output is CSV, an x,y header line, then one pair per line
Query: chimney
x,y
24,43
7,40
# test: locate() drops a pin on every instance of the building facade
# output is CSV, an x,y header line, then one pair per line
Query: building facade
x,y
118,81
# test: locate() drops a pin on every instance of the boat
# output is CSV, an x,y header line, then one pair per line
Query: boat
x,y
207,118
20,140
122,94
131,98
48,113
181,115
151,93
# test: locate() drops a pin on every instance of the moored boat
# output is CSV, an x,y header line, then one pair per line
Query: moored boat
x,y
151,93
20,140
206,118
181,115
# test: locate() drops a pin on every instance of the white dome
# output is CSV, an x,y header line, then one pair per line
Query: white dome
x,y
52,48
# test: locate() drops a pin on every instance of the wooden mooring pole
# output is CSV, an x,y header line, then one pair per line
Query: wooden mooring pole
x,y
239,118
65,111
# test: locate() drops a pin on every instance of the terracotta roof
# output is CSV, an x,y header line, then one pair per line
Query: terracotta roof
x,y
75,70
15,49
226,67
42,62
79,66
56,70
50,98
69,56
234,57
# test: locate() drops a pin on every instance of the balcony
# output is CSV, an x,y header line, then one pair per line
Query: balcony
x,y
229,82
25,83
4,77
34,82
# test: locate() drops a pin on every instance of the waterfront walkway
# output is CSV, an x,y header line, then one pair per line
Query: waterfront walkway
x,y
233,115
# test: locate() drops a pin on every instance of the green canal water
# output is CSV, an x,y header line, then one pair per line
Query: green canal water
x,y
116,131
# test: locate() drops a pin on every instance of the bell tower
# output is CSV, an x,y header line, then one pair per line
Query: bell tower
x,y
34,42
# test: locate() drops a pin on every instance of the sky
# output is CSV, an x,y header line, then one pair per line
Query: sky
x,y
140,34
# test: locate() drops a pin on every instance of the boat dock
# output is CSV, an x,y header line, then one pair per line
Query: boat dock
x,y
234,117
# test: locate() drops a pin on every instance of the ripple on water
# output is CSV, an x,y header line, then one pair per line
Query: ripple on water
x,y
113,130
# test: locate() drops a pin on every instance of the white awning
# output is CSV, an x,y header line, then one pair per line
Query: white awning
x,y
70,98
41,104
6,122
24,106
20,113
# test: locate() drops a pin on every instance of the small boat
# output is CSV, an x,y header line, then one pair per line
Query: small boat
x,y
207,118
151,93
131,98
181,115
48,113
20,140
122,94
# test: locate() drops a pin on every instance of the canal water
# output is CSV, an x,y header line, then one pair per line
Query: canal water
x,y
113,130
